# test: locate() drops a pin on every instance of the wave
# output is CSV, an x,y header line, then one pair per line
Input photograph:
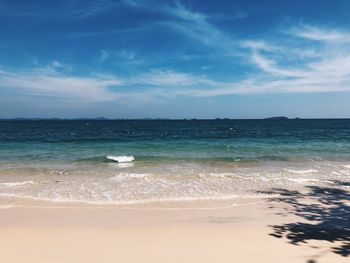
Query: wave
x,y
189,157
108,159
154,158
121,159
308,171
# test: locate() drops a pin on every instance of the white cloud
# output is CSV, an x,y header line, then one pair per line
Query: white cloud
x,y
182,12
320,34
257,45
191,24
196,25
170,78
270,66
53,67
278,71
42,83
283,67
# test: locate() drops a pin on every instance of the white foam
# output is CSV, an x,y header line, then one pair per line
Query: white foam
x,y
122,176
302,171
15,184
59,199
220,175
122,165
303,180
335,173
121,159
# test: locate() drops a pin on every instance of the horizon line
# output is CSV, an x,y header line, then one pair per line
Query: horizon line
x,y
160,119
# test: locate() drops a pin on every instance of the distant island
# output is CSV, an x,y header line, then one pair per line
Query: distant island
x,y
277,118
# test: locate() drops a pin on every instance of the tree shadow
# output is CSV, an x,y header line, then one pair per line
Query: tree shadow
x,y
325,212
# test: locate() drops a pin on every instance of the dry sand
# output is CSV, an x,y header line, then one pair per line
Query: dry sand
x,y
238,234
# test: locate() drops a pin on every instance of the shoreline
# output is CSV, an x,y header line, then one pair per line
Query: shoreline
x,y
211,203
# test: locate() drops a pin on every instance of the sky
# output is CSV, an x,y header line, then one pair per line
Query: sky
x,y
175,59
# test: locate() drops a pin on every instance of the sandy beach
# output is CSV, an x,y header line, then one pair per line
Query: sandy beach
x,y
174,131
237,234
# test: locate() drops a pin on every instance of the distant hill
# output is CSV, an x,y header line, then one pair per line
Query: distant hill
x,y
277,118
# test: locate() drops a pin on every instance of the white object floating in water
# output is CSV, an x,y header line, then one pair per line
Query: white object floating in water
x,y
121,159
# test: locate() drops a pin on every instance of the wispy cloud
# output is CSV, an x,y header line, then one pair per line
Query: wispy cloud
x,y
54,66
43,82
320,34
196,25
301,59
161,78
270,66
189,23
275,72
321,68
65,10
121,55
95,7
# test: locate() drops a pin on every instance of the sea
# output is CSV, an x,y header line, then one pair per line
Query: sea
x,y
131,162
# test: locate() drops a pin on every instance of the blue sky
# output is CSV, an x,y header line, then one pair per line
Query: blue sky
x,y
174,59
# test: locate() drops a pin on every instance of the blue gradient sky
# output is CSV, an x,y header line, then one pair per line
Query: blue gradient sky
x,y
174,59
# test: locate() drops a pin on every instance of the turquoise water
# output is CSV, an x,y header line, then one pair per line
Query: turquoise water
x,y
66,161
224,140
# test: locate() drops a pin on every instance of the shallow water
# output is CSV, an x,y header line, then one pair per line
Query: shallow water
x,y
66,161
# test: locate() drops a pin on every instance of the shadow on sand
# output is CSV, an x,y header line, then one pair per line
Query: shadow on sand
x,y
326,216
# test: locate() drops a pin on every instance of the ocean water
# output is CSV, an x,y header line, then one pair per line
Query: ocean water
x,y
118,162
